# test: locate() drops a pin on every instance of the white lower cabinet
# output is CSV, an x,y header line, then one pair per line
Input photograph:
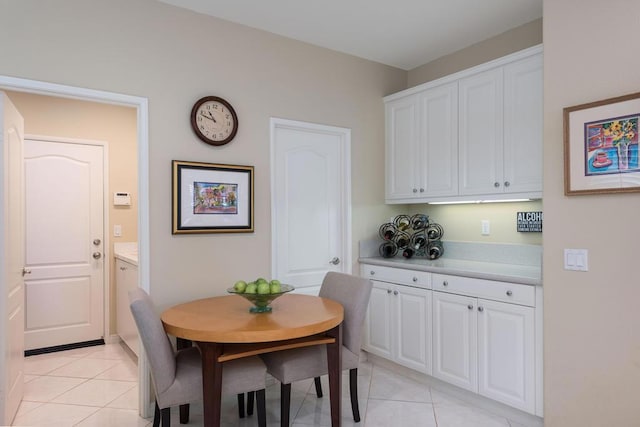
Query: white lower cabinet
x,y
480,335
126,280
483,345
398,323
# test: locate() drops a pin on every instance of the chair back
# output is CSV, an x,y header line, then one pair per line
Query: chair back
x,y
155,340
353,293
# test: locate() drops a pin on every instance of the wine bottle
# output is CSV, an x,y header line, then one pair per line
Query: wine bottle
x,y
407,253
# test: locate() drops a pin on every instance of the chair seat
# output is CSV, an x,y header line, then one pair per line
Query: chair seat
x,y
302,363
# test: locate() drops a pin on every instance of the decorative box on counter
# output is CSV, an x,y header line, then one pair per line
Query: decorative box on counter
x,y
413,235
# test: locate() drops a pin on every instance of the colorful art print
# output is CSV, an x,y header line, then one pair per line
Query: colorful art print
x,y
215,198
611,146
601,146
212,198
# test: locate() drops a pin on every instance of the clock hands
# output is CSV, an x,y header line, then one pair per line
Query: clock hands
x,y
210,116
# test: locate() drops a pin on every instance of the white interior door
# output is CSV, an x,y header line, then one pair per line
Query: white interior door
x,y
12,259
310,202
64,294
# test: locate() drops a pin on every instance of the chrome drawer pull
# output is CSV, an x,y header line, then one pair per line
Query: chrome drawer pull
x,y
509,293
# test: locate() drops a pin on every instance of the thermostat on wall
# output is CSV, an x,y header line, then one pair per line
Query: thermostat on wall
x,y
121,199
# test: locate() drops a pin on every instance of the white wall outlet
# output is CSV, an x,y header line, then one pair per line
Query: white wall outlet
x,y
117,230
485,227
576,259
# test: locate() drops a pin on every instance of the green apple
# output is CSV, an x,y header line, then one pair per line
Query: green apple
x,y
263,288
240,286
252,288
261,280
275,287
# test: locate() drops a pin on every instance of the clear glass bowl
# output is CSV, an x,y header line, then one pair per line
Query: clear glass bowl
x,y
262,302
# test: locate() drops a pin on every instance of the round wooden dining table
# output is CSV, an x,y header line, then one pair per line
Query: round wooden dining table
x,y
224,329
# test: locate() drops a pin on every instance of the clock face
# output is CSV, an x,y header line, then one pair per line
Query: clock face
x,y
214,120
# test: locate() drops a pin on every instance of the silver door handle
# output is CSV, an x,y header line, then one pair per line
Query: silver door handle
x,y
335,261
97,255
96,242
25,271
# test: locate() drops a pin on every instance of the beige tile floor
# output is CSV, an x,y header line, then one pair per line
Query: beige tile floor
x,y
97,386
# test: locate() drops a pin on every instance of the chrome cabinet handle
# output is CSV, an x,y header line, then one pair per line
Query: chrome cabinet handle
x,y
415,279
395,292
97,241
422,190
388,291
372,272
507,183
123,268
509,293
480,309
470,307
496,184
335,260
445,283
415,190
97,255
26,270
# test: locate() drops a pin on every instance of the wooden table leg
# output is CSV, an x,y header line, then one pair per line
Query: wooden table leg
x,y
334,360
182,343
211,382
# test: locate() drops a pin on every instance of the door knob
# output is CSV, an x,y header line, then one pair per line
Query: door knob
x,y
96,241
335,261
97,255
25,271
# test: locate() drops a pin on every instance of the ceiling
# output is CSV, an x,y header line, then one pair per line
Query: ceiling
x,y
401,33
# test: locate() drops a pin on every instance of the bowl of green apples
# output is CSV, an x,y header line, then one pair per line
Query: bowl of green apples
x,y
261,293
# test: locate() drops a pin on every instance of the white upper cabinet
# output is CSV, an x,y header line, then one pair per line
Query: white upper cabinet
x,y
474,135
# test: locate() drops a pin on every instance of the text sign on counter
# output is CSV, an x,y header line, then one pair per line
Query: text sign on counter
x,y
529,222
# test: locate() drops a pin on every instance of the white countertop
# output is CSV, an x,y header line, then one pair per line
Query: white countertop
x,y
126,251
514,273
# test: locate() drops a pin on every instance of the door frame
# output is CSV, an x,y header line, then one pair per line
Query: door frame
x,y
142,108
106,254
345,152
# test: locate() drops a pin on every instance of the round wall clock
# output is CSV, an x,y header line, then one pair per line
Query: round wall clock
x,y
214,120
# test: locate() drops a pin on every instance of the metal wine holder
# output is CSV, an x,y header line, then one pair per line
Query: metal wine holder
x,y
411,236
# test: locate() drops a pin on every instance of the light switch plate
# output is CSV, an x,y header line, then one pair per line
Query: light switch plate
x,y
486,227
576,259
117,230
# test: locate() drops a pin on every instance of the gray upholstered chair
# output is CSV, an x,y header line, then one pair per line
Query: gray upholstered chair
x,y
311,362
177,376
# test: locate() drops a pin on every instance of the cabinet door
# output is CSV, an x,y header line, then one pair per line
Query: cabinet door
x,y
413,327
438,168
523,125
126,280
506,353
401,147
378,323
455,340
481,133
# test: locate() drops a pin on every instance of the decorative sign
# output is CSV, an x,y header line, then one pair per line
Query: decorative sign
x,y
529,222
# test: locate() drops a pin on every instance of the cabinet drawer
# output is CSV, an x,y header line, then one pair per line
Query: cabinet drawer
x,y
420,279
499,291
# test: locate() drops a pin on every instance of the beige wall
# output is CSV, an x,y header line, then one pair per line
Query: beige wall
x,y
592,319
519,38
173,57
115,125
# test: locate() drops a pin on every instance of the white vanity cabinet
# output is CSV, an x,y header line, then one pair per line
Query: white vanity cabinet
x,y
484,338
398,321
126,280
473,134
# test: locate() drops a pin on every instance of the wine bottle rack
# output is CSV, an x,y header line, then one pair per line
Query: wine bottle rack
x,y
411,236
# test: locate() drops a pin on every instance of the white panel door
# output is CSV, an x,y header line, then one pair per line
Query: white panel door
x,y
402,151
455,340
506,353
378,339
310,202
439,140
12,259
413,327
481,133
523,125
64,243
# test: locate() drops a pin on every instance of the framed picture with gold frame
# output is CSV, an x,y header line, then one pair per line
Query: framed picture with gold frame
x,y
601,146
211,198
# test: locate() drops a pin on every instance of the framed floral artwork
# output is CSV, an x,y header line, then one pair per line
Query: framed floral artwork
x,y
212,198
601,146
